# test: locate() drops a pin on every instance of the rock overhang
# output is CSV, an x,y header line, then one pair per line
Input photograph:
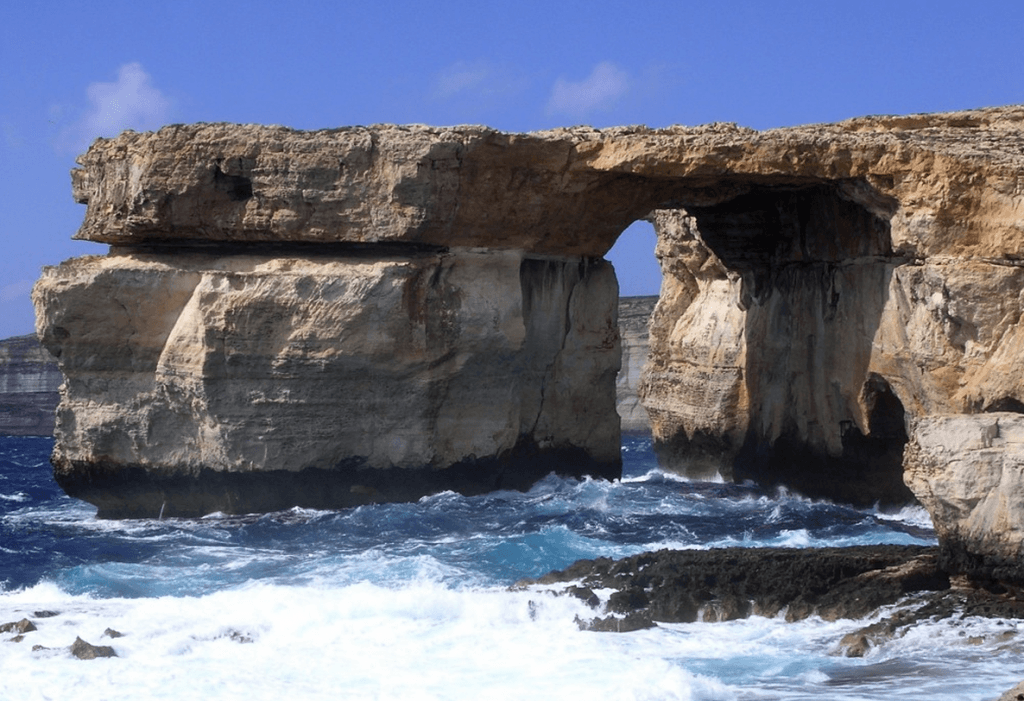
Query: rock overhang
x,y
567,191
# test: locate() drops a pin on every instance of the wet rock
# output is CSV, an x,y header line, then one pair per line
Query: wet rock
x,y
731,583
87,651
618,624
45,614
111,633
22,626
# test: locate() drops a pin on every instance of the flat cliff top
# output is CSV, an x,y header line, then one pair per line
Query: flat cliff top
x,y
564,192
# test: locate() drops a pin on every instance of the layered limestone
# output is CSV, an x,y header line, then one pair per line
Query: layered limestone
x,y
824,285
634,330
29,383
207,382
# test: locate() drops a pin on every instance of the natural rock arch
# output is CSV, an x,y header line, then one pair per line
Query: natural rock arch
x,y
373,312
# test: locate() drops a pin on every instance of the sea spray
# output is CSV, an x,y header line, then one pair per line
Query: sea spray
x,y
413,601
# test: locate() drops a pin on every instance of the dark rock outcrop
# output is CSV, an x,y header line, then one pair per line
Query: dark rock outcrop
x,y
683,586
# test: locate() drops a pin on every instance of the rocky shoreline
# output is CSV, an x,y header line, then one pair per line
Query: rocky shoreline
x,y
897,585
888,588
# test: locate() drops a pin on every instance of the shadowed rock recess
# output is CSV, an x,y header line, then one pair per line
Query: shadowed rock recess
x,y
334,317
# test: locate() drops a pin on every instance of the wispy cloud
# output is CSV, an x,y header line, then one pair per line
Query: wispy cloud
x,y
130,102
15,290
460,78
602,89
472,90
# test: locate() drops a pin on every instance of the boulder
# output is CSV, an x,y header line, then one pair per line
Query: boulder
x,y
87,651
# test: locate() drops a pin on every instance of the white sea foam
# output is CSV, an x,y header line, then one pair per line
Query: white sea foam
x,y
426,640
362,641
913,515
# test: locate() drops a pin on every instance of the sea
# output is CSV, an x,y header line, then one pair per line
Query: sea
x,y
418,601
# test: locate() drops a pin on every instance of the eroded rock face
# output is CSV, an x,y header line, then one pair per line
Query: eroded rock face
x,y
202,382
969,473
823,284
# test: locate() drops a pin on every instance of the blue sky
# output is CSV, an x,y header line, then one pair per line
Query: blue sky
x,y
71,71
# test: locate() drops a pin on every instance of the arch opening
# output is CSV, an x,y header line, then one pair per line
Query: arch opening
x,y
639,278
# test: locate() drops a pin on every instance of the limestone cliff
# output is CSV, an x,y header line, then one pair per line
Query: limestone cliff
x,y
824,286
634,330
969,473
226,382
29,380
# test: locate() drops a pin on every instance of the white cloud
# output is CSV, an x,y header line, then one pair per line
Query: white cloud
x,y
131,102
15,290
605,86
459,78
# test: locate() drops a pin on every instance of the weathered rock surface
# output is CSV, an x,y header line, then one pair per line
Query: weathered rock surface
x,y
900,585
226,382
823,285
969,473
29,383
634,330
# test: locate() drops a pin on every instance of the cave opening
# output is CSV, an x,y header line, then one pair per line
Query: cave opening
x,y
768,310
